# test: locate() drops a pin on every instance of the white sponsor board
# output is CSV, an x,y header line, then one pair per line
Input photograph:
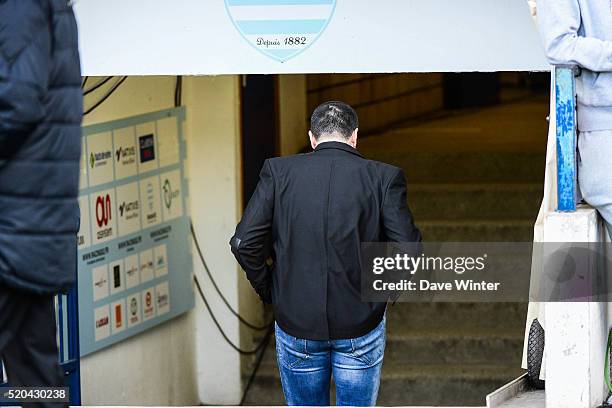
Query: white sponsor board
x,y
133,242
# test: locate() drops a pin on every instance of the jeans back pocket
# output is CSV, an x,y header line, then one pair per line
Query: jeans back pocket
x,y
370,348
290,351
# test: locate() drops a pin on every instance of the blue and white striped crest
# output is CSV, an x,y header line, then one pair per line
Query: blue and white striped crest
x,y
281,29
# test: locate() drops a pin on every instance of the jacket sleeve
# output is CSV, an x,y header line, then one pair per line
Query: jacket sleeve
x,y
252,234
25,54
397,219
559,21
399,228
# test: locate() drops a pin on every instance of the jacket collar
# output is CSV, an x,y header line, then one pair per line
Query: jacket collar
x,y
338,145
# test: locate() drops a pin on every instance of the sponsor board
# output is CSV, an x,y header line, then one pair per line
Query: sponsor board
x,y
83,236
133,248
168,142
83,177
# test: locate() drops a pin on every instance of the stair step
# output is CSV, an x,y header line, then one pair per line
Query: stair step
x,y
408,384
467,166
446,346
476,230
475,200
455,346
467,316
442,385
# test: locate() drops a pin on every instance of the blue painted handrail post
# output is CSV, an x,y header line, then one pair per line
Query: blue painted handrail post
x,y
70,364
72,367
565,92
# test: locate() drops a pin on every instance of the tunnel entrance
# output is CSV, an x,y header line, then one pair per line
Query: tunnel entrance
x,y
473,148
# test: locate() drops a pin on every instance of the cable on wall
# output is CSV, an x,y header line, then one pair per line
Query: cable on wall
x,y
223,334
105,97
178,92
214,283
97,85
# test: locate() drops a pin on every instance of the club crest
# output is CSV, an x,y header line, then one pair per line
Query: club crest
x,y
281,29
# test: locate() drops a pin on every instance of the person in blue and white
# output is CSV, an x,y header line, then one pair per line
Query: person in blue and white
x,y
579,33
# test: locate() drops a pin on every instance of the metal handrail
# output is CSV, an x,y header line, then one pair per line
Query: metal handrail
x,y
566,135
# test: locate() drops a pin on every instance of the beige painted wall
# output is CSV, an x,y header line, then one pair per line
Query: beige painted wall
x,y
293,117
185,361
213,126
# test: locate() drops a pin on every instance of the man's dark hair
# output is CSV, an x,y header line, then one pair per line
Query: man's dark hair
x,y
333,117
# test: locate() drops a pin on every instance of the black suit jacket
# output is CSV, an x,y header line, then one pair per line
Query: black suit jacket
x,y
315,210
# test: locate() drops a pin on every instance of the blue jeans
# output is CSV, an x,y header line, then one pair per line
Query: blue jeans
x,y
306,367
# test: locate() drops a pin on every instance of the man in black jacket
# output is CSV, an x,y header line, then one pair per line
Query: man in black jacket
x,y
40,147
316,209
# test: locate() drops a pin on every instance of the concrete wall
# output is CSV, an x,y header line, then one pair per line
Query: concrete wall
x,y
185,361
575,331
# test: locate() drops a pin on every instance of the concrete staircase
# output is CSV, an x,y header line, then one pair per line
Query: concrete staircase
x,y
450,353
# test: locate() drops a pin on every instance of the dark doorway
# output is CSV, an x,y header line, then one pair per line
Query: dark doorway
x,y
471,90
259,127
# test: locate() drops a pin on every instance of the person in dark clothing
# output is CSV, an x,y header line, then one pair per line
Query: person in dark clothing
x,y
316,209
40,148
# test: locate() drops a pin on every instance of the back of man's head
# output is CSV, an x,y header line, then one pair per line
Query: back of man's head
x,y
333,120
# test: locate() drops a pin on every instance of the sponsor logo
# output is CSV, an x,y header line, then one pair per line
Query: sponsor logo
x,y
148,309
117,276
169,194
101,322
103,210
130,272
162,299
104,214
152,214
130,209
147,148
146,266
133,306
100,282
126,155
118,316
99,158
